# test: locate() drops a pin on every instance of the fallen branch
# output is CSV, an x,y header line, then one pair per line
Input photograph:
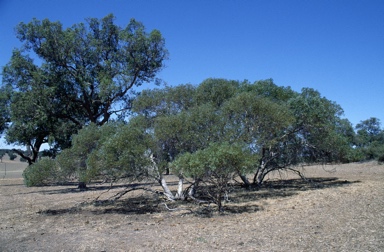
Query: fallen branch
x,y
302,176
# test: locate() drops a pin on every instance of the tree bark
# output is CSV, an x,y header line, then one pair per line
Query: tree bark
x,y
245,180
180,193
166,190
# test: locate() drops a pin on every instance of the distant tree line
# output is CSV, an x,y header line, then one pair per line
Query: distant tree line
x,y
12,155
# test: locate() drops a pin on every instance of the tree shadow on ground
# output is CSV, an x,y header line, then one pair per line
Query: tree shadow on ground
x,y
278,189
241,200
73,188
130,206
12,185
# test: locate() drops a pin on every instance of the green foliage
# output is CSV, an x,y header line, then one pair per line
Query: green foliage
x,y
218,160
74,162
5,95
268,89
316,124
212,133
109,152
162,102
87,73
254,119
284,128
124,155
216,166
216,91
370,139
42,173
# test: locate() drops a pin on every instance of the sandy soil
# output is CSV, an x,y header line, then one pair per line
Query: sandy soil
x,y
341,209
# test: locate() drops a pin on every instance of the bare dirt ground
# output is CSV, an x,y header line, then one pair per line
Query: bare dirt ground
x,y
341,209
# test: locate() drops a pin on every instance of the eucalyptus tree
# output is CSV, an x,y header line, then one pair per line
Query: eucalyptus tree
x,y
281,128
87,73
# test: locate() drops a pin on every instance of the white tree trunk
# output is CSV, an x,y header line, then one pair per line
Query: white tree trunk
x,y
180,193
166,190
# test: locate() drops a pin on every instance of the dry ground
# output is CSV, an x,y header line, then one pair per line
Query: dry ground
x,y
341,209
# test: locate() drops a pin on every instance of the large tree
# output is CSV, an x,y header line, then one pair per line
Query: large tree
x,y
282,128
86,74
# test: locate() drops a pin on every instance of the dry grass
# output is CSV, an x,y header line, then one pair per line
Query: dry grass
x,y
341,209
11,168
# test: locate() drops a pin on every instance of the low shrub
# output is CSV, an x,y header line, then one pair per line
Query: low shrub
x,y
41,173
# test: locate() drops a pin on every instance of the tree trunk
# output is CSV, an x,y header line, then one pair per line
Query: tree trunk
x,y
82,186
160,179
180,193
192,188
33,153
166,190
220,201
260,173
245,180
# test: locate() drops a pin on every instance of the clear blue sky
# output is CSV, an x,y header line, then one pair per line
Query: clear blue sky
x,y
335,47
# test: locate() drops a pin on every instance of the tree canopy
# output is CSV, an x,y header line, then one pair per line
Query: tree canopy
x,y
86,74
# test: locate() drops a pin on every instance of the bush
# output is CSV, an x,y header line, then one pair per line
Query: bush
x,y
41,173
12,156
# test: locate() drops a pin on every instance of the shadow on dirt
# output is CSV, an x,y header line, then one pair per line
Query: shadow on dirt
x,y
241,200
73,188
285,188
130,206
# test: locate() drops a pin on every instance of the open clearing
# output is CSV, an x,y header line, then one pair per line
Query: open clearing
x,y
342,209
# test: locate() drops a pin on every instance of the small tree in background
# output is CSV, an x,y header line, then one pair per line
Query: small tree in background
x,y
370,139
12,155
